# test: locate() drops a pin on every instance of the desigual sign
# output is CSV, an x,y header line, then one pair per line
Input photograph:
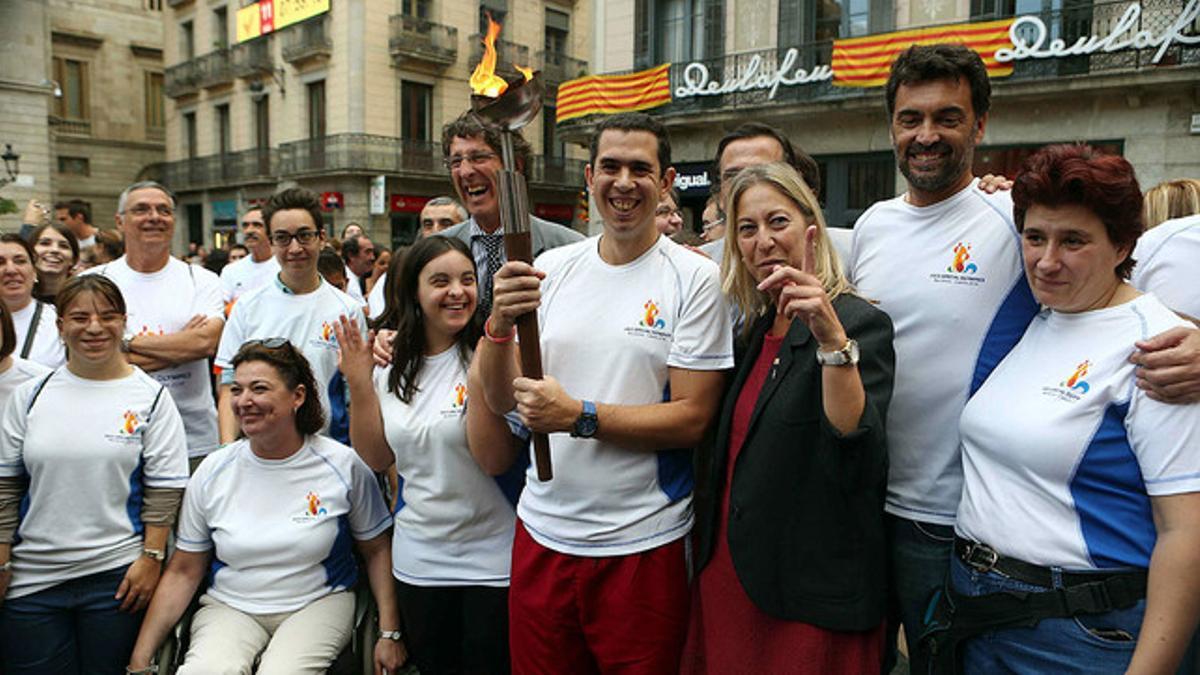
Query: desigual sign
x,y
1029,35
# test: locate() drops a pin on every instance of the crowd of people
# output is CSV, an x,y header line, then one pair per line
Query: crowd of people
x,y
973,419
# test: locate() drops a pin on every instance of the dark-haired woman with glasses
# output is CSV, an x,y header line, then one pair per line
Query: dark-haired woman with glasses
x,y
454,524
96,449
270,518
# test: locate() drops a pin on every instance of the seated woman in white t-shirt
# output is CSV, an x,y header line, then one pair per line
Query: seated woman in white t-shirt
x,y
1081,491
454,529
95,455
35,321
269,519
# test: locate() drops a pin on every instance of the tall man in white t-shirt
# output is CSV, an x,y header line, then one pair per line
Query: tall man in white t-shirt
x,y
175,313
297,305
944,261
255,269
635,341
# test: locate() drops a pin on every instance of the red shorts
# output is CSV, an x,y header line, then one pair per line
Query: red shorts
x,y
579,615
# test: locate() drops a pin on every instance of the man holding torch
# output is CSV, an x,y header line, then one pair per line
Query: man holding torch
x,y
635,340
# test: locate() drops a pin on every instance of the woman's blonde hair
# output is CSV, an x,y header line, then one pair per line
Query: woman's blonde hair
x,y
1171,199
737,281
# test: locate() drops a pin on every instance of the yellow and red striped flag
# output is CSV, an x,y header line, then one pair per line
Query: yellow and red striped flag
x,y
866,61
607,94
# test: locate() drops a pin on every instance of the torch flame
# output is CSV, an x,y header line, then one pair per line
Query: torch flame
x,y
484,80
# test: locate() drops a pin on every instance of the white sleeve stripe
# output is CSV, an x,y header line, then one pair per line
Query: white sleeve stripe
x,y
375,530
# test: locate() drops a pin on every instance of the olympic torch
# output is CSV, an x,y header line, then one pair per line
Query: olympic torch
x,y
510,106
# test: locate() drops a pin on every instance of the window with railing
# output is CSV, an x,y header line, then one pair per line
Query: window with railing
x,y
72,76
224,142
189,135
418,9
220,28
820,22
416,103
677,31
156,117
187,40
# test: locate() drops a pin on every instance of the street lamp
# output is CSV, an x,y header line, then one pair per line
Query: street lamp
x,y
12,165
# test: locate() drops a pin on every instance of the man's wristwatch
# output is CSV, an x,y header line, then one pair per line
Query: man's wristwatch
x,y
152,668
393,635
586,423
846,356
156,554
6,567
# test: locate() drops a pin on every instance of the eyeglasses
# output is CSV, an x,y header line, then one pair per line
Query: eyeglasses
x,y
269,343
281,238
475,158
716,222
146,209
664,211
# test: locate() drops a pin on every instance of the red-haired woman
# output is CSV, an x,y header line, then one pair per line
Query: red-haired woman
x,y
1079,526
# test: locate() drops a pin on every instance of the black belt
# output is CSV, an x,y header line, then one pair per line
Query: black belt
x,y
983,558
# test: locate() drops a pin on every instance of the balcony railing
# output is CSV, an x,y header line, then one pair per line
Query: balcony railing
x,y
557,171
214,69
507,53
414,39
64,126
178,3
308,39
359,153
254,165
249,59
557,67
181,79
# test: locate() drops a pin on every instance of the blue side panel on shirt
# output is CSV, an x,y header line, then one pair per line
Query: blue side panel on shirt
x,y
24,508
675,476
399,494
1110,497
133,506
1009,324
340,569
339,417
216,566
512,482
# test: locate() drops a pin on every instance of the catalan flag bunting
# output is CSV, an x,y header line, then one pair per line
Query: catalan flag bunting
x,y
866,61
607,94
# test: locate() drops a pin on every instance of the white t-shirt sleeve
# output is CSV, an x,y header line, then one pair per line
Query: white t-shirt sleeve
x,y
164,446
193,533
1165,439
209,298
232,336
12,434
376,300
369,516
704,336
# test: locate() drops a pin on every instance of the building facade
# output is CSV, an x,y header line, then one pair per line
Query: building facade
x,y
765,60
81,99
350,103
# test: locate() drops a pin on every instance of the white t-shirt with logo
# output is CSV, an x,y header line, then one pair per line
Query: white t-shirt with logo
x,y
1062,452
86,477
610,334
245,275
454,524
951,279
47,348
306,320
20,372
281,530
1168,264
162,303
376,300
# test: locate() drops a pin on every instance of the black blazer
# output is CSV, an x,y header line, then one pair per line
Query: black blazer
x,y
806,527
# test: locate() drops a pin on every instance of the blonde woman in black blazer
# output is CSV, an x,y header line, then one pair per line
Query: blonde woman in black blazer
x,y
789,503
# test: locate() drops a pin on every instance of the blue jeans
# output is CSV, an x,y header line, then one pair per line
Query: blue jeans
x,y
921,555
69,629
1099,643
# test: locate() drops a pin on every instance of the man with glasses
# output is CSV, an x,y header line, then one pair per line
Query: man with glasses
x,y
297,305
174,310
472,154
247,274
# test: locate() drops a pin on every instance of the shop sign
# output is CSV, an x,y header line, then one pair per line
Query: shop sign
x,y
407,203
266,16
375,196
332,200
1029,34
692,177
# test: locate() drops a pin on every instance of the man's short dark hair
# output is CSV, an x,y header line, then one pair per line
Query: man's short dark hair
x,y
800,160
352,246
923,63
76,208
329,263
634,122
294,198
470,125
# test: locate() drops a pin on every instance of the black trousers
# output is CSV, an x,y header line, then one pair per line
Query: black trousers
x,y
455,630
